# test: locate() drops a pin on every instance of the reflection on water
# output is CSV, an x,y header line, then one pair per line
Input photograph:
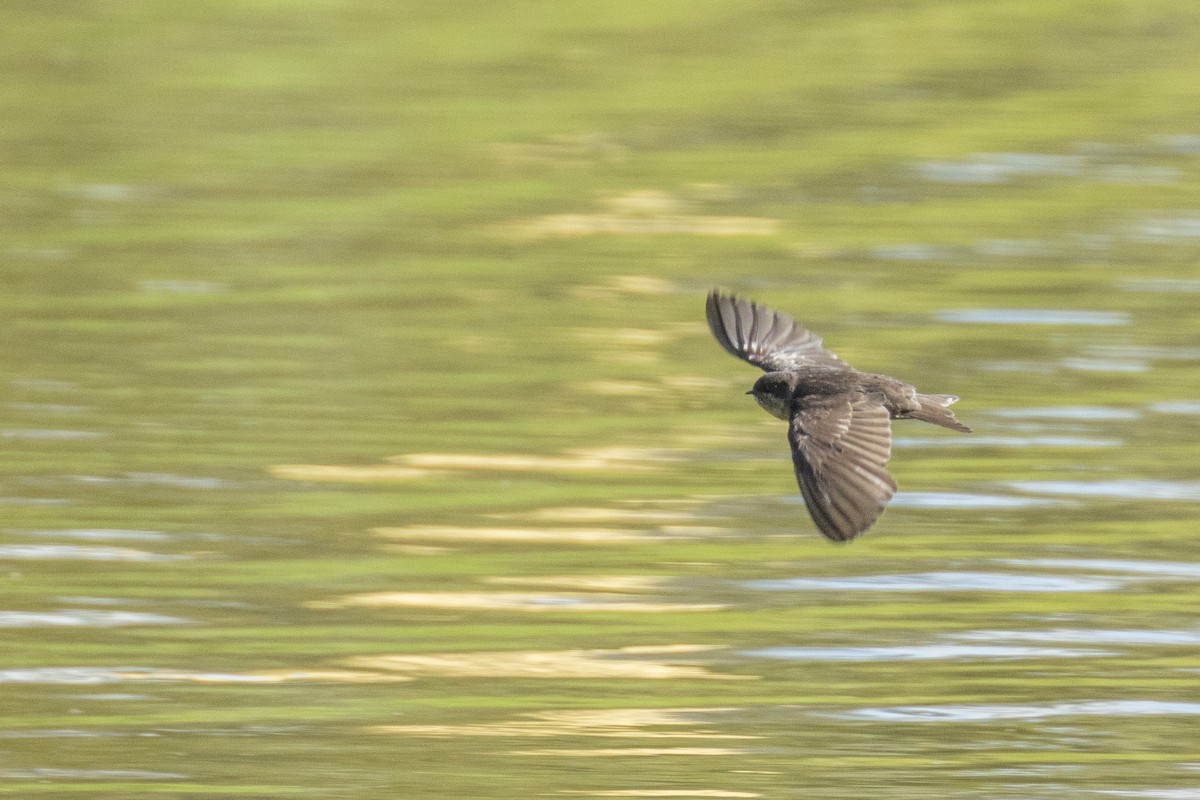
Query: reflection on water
x,y
47,408
664,793
340,474
67,733
513,601
911,252
968,500
1176,407
596,583
1170,229
100,675
1105,365
1006,441
543,535
1033,316
1184,285
1144,352
608,458
1159,569
1096,165
641,213
49,434
627,723
1152,794
79,552
428,465
648,662
1085,636
363,437
50,773
946,581
102,534
81,618
986,713
936,652
1131,489
155,479
1087,413
635,752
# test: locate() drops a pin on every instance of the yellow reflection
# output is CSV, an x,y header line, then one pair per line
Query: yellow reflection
x,y
563,225
450,533
642,213
639,723
641,284
638,751
624,388
675,388
420,549
329,472
642,663
662,793
416,466
695,383
634,515
602,583
625,337
510,601
616,285
609,458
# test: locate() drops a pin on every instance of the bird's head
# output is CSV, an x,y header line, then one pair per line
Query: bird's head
x,y
773,392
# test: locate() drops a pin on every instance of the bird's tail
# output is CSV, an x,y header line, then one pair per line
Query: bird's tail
x,y
935,408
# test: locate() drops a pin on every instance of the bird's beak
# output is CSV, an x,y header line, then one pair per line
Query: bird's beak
x,y
750,392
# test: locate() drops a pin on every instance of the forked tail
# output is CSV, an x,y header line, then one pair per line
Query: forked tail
x,y
935,408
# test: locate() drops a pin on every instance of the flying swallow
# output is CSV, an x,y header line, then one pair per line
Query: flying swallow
x,y
839,419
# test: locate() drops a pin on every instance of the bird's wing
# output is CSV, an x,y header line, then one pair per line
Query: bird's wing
x,y
840,449
765,338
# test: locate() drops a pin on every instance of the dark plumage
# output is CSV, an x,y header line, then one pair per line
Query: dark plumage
x,y
839,419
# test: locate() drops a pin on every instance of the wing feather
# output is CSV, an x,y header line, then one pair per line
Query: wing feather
x,y
840,448
763,337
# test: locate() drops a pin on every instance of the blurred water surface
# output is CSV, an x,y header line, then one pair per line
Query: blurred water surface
x,y
363,438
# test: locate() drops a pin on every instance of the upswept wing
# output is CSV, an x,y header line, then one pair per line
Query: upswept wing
x,y
840,448
765,338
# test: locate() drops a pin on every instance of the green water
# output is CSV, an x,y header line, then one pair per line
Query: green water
x,y
363,438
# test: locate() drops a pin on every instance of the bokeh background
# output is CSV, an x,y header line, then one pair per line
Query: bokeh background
x,y
362,436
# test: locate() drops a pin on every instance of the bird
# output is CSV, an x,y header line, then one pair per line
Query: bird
x,y
839,419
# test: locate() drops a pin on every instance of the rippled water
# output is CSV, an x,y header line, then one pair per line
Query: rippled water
x,y
363,437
